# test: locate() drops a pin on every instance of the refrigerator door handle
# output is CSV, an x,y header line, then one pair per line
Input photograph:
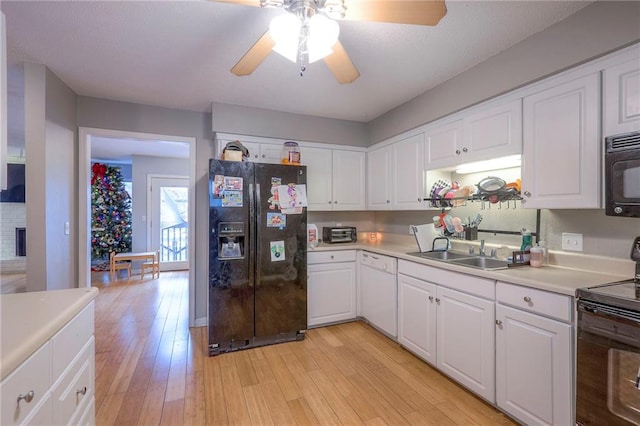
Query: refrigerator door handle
x,y
252,232
257,222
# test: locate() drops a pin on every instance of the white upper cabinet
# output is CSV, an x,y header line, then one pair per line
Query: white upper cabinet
x,y
621,98
335,179
379,164
319,168
258,152
561,146
489,131
441,143
492,131
396,175
408,180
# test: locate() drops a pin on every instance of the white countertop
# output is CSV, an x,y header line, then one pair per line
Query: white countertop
x,y
28,320
555,278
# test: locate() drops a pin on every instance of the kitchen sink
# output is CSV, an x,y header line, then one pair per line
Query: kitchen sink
x,y
441,255
464,259
480,262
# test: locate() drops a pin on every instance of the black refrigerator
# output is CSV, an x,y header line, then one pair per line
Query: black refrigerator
x,y
257,254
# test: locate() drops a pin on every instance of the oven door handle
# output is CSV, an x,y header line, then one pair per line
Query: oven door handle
x,y
610,311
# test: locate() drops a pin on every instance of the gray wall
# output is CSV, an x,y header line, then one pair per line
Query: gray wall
x,y
143,166
597,29
50,141
283,125
106,114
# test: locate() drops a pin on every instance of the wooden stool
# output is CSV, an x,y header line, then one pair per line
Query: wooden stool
x,y
153,266
115,266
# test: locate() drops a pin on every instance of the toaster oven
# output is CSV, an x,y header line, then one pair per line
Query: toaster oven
x,y
339,234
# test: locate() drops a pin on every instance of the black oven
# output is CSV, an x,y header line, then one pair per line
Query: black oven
x,y
608,355
622,175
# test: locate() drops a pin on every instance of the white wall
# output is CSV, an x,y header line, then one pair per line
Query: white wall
x,y
50,141
283,125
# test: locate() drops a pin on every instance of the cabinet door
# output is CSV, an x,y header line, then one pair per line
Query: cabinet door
x,y
561,146
379,163
466,340
533,367
271,153
417,317
493,131
441,143
331,289
318,162
348,186
408,173
621,98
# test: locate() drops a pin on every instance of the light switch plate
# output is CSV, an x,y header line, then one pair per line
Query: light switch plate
x,y
571,242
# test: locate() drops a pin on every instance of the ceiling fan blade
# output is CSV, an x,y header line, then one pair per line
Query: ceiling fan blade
x,y
254,56
255,3
340,65
415,12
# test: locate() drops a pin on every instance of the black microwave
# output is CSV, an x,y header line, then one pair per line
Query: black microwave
x,y
622,175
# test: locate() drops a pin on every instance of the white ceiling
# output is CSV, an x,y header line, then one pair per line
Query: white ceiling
x,y
178,54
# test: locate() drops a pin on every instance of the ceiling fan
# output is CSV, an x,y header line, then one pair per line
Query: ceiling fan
x,y
309,32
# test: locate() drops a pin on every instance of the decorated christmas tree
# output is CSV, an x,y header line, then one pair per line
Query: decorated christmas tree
x,y
110,212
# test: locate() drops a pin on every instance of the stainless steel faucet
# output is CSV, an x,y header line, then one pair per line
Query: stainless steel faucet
x,y
482,253
446,247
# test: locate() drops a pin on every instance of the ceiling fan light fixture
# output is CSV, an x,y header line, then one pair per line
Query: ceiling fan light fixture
x,y
285,30
292,38
323,34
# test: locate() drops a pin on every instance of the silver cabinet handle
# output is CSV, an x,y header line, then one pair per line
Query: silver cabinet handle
x,y
431,299
437,300
465,149
329,201
82,391
419,200
527,194
263,155
498,322
331,257
388,201
527,299
27,398
457,151
335,202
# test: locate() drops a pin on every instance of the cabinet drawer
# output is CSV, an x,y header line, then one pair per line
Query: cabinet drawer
x,y
68,342
539,301
483,287
331,256
76,387
32,375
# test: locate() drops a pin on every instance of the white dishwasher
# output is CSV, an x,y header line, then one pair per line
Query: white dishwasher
x,y
379,291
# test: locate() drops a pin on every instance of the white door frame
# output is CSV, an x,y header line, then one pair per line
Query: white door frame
x,y
150,209
84,200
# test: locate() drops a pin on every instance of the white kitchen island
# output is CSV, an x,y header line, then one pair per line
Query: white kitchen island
x,y
47,357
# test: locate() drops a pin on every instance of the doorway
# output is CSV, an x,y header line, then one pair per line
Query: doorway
x,y
161,142
168,220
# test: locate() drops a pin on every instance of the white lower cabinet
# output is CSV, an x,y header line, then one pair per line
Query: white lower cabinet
x,y
331,287
417,317
534,368
55,385
449,328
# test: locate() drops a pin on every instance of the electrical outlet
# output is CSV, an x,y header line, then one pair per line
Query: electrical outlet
x,y
571,242
411,229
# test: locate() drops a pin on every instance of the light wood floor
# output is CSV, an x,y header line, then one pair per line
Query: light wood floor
x,y
152,369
